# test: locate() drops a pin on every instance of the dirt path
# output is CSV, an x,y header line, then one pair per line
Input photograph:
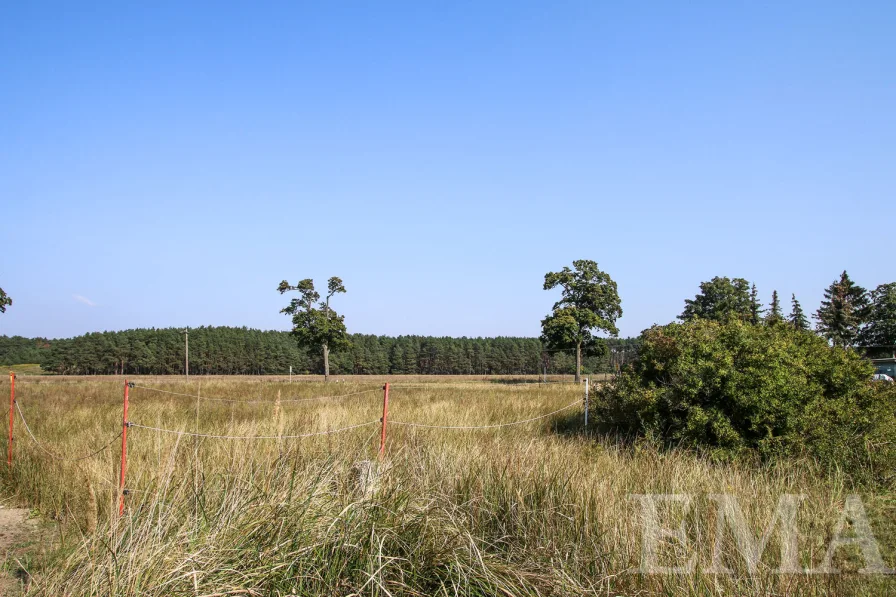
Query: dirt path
x,y
18,531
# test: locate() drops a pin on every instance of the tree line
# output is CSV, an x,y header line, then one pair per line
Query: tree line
x,y
849,315
244,351
589,304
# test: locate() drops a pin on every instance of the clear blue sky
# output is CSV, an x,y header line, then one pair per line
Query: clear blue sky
x,y
169,164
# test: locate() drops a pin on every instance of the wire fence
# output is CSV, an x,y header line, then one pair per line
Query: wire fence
x,y
237,401
384,422
332,431
251,437
108,444
467,384
494,426
55,455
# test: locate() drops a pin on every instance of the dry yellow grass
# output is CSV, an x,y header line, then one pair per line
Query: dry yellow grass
x,y
534,509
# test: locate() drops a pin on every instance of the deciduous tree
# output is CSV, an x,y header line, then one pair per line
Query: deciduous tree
x,y
590,303
721,299
316,328
5,301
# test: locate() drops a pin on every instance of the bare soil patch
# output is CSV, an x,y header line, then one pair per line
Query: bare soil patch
x,y
19,533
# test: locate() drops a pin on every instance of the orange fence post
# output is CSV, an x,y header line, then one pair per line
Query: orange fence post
x,y
12,403
383,420
124,450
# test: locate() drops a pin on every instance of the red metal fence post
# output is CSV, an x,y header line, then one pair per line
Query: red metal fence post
x,y
124,450
385,415
12,403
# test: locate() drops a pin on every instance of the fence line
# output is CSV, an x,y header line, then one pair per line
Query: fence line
x,y
57,456
321,397
256,401
127,423
264,437
251,437
496,384
559,410
330,431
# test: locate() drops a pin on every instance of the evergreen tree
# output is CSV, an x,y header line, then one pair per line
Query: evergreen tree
x,y
797,318
842,312
774,316
242,351
755,308
17,350
881,327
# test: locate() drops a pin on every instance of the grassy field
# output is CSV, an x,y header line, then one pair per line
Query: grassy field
x,y
23,369
541,508
266,379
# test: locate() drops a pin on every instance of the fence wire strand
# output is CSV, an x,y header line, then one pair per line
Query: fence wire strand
x,y
467,384
57,456
257,401
559,410
251,437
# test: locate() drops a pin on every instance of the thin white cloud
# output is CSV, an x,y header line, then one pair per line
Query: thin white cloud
x,y
84,299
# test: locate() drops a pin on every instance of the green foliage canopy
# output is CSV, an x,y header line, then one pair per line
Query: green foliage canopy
x,y
774,315
880,329
242,351
589,303
797,318
5,301
734,387
755,307
722,299
316,327
842,312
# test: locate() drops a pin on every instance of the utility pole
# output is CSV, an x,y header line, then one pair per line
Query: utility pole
x,y
187,352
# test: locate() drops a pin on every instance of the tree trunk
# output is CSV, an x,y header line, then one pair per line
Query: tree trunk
x,y
326,363
578,362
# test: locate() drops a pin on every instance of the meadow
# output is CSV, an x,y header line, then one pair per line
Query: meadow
x,y
545,507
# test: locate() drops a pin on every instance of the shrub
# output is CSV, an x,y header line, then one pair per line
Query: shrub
x,y
736,387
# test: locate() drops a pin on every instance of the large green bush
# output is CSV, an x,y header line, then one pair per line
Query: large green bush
x,y
736,386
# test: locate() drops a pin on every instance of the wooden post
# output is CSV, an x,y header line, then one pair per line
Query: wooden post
x,y
124,450
586,402
383,420
12,406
